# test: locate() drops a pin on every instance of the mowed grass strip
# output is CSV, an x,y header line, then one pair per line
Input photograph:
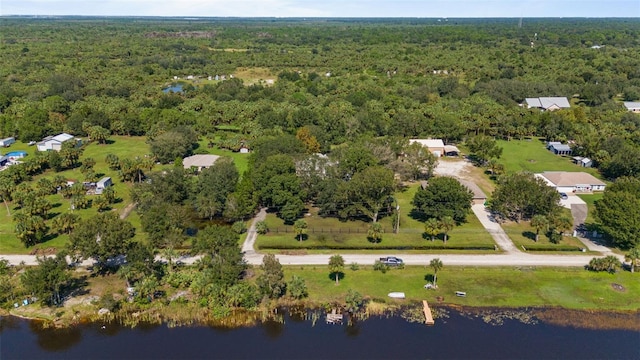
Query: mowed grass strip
x,y
522,234
532,155
330,232
572,288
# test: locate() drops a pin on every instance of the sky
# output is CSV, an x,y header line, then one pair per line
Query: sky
x,y
326,8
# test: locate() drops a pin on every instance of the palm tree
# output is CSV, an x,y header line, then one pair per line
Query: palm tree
x,y
375,232
300,228
432,228
436,265
633,257
447,224
540,223
336,264
7,186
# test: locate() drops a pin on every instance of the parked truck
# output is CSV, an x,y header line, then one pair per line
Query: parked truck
x,y
391,261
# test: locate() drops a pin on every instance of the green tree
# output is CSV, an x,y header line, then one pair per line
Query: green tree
x,y
521,196
369,192
261,227
336,266
354,301
271,281
447,224
633,257
619,212
300,228
49,279
557,226
101,237
297,288
113,162
436,265
30,229
65,223
443,196
609,264
432,228
540,223
483,148
375,231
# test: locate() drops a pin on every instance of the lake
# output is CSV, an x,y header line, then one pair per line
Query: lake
x,y
458,336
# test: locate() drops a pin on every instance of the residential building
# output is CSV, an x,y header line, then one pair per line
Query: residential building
x,y
55,142
632,106
547,103
568,182
199,161
435,146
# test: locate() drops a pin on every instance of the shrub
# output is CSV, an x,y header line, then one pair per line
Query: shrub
x,y
261,227
380,266
239,227
354,266
609,264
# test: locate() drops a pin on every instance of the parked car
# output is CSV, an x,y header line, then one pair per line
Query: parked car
x,y
391,261
564,196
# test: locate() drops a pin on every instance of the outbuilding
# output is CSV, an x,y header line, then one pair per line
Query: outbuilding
x,y
435,146
479,197
560,149
6,142
104,183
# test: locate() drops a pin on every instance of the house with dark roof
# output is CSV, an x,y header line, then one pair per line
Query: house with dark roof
x,y
547,103
559,148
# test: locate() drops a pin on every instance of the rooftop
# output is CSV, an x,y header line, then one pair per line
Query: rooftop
x,y
548,102
630,105
566,178
430,143
199,161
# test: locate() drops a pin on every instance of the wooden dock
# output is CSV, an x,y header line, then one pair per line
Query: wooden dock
x,y
427,313
334,317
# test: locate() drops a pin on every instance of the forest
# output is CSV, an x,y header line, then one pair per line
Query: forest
x,y
326,108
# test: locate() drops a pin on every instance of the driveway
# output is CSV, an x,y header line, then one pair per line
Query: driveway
x,y
573,200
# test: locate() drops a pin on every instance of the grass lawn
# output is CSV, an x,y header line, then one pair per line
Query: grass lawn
x,y
122,146
590,199
524,235
531,155
327,231
495,286
240,160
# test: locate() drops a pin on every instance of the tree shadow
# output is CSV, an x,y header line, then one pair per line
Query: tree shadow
x,y
56,205
417,215
429,278
109,142
529,235
373,240
305,237
340,274
51,215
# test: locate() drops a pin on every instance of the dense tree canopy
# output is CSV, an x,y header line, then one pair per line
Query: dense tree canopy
x,y
441,197
521,196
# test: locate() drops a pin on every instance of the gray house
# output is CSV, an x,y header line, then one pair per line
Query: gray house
x,y
104,183
547,103
559,149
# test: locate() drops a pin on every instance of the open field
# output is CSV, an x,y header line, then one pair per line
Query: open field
x,y
531,155
240,160
572,288
329,232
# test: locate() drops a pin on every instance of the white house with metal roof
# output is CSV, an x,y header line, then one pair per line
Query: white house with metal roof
x,y
547,103
199,161
435,146
633,106
54,142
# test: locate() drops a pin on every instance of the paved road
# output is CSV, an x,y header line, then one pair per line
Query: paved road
x,y
511,257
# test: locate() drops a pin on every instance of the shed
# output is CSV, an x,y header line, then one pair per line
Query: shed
x,y
582,161
451,150
6,142
479,197
104,183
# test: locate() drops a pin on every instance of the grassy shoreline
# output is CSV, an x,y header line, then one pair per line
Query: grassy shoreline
x,y
496,289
